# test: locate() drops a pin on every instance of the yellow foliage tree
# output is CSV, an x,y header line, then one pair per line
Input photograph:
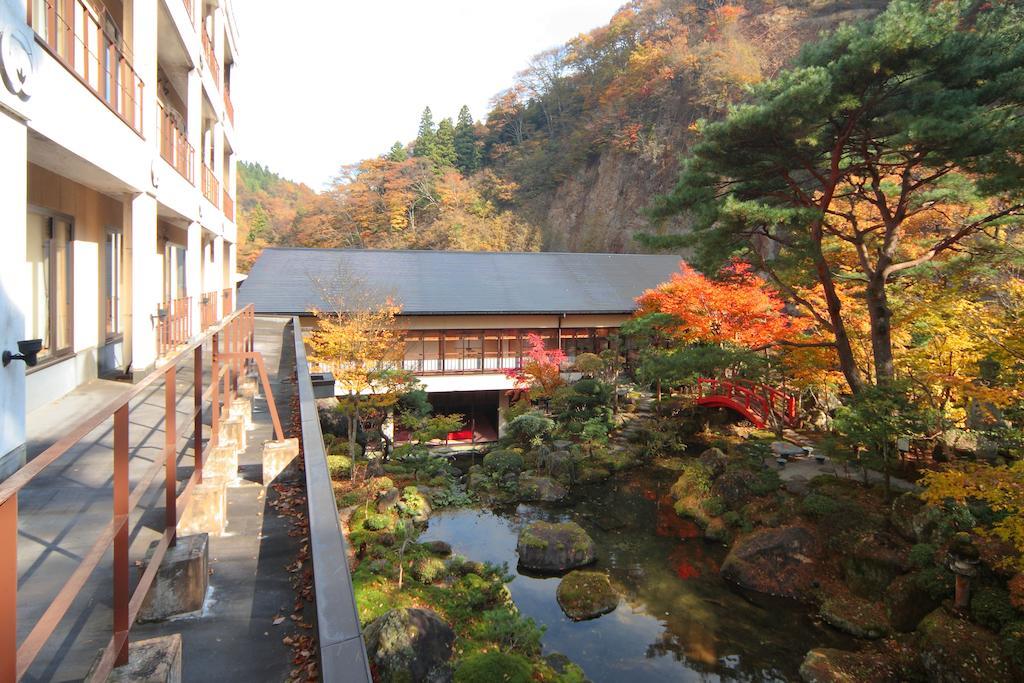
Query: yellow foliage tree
x,y
363,347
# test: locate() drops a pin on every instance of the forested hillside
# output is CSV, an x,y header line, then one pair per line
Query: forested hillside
x,y
570,155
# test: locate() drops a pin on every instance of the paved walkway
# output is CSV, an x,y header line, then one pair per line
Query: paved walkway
x,y
63,510
802,466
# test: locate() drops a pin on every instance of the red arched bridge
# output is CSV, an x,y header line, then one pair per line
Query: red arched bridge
x,y
763,405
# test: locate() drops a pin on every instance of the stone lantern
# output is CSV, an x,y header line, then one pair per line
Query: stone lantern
x,y
963,562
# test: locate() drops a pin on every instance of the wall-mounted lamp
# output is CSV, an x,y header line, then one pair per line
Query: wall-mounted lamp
x,y
28,351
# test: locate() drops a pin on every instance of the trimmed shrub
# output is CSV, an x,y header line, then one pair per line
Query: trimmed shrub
x,y
511,631
377,522
529,429
339,465
503,462
936,581
429,569
923,555
990,607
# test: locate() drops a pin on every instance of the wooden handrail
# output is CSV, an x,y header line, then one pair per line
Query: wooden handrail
x,y
232,344
174,145
210,186
211,58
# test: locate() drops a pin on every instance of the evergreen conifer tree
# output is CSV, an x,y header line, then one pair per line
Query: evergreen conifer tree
x,y
397,152
426,137
444,147
466,151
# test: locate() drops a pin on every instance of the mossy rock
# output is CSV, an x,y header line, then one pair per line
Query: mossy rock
x,y
410,645
591,475
503,462
548,547
586,595
953,649
494,666
829,665
854,615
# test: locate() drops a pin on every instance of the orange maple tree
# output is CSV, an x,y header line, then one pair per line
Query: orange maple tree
x,y
737,308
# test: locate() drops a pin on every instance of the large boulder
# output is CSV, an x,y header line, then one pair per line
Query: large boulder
x,y
854,615
410,644
556,548
829,665
714,460
541,489
953,650
779,562
871,563
559,464
586,595
907,603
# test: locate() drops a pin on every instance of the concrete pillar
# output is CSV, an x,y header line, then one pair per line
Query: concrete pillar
x,y
278,457
217,267
146,291
181,581
15,285
144,23
154,660
194,272
194,131
207,509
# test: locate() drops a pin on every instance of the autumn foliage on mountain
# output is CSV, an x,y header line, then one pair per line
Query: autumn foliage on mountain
x,y
570,154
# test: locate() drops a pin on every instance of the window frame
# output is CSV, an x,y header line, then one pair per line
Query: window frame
x,y
53,356
118,333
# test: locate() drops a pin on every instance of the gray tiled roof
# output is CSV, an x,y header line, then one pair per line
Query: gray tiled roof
x,y
293,281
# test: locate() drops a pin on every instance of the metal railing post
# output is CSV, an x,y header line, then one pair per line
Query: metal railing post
x,y
9,589
170,451
122,589
197,436
215,391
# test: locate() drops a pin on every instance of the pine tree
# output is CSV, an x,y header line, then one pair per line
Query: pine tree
x,y
444,148
466,151
398,153
426,138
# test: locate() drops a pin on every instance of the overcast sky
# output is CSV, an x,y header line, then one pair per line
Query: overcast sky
x,y
322,83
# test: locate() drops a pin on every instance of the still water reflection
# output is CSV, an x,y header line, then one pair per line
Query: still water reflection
x,y
676,619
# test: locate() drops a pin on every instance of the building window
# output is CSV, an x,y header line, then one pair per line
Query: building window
x,y
113,257
174,272
48,254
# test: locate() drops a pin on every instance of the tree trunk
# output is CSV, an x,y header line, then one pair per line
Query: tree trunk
x,y
353,421
881,329
847,363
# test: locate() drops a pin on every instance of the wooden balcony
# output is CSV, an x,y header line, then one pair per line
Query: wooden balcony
x,y
210,186
211,58
174,146
174,325
228,106
227,298
229,205
208,310
72,32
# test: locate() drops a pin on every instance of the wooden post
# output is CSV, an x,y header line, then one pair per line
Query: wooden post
x,y
9,589
122,587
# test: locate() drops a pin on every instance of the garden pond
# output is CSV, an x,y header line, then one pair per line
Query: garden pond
x,y
676,619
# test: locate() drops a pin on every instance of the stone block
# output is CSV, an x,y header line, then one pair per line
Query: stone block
x,y
280,460
207,509
181,581
242,407
222,462
233,429
156,660
248,388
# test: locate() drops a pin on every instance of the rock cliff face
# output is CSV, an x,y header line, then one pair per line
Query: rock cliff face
x,y
602,204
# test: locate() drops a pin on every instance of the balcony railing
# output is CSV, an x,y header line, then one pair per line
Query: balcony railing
x,y
211,58
191,12
211,186
228,106
229,205
74,34
221,356
227,299
208,310
174,325
174,146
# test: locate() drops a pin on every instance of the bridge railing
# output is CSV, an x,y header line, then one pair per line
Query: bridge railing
x,y
760,399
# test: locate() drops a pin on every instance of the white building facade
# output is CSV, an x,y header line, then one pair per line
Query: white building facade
x,y
117,192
